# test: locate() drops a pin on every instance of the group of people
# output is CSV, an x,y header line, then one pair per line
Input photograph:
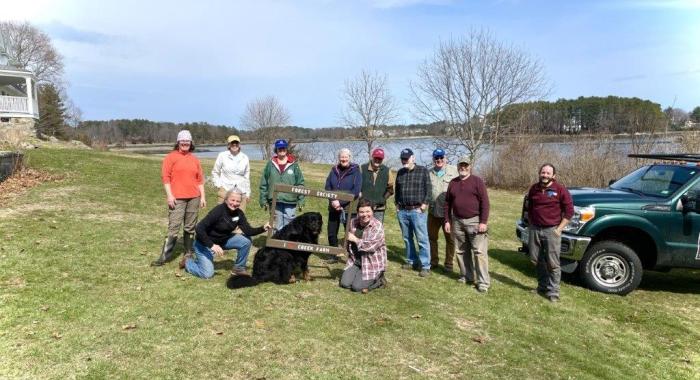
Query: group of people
x,y
442,197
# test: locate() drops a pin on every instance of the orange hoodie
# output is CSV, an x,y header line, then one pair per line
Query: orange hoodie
x,y
184,174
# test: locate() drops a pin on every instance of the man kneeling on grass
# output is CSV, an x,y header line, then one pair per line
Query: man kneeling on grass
x,y
366,251
215,234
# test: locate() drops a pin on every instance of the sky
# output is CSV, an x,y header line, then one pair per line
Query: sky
x,y
190,61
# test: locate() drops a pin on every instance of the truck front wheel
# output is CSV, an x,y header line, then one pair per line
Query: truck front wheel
x,y
611,267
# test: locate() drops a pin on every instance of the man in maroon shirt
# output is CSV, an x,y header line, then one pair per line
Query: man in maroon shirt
x,y
466,217
549,210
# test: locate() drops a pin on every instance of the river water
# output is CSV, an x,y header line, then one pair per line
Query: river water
x,y
326,151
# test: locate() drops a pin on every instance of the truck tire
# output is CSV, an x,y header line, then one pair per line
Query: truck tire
x,y
611,267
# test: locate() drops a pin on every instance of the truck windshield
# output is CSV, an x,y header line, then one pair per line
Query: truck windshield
x,y
656,180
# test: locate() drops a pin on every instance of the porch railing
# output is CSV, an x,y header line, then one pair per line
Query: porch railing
x,y
14,104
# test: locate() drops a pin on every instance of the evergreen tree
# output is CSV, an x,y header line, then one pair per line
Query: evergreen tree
x,y
52,112
695,115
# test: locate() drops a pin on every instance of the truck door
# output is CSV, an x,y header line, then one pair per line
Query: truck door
x,y
682,231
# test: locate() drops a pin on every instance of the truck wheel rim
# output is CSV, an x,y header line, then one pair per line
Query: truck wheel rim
x,y
610,270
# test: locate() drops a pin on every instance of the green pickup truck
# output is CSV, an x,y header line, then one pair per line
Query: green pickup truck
x,y
647,220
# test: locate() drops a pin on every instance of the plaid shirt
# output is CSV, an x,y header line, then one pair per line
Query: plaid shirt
x,y
412,187
372,242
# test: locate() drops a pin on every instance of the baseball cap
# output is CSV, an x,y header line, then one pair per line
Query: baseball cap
x,y
378,153
464,160
406,153
280,144
233,138
184,135
438,153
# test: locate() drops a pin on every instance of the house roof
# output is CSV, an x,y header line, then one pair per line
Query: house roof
x,y
12,68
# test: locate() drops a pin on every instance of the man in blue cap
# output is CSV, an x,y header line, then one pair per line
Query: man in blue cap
x,y
411,196
282,168
440,176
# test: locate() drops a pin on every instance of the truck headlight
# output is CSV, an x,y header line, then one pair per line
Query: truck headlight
x,y
582,215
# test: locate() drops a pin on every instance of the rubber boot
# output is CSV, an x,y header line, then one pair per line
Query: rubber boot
x,y
188,241
166,252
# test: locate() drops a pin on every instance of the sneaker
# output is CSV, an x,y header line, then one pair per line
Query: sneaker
x,y
239,272
424,272
482,289
407,266
553,299
448,269
462,280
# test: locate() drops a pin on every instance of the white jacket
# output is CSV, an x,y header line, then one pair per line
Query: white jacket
x,y
230,171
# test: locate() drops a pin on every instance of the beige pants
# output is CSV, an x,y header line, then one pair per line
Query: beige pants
x,y
472,250
222,193
185,212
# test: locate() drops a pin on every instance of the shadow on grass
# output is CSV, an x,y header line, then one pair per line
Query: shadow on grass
x,y
676,281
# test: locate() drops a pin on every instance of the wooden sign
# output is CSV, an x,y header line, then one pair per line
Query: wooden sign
x,y
296,246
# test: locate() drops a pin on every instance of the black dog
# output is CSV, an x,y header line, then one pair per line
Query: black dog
x,y
277,265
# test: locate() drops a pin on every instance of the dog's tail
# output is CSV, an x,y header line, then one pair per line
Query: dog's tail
x,y
237,282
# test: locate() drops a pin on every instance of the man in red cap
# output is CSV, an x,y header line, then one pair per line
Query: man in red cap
x,y
377,182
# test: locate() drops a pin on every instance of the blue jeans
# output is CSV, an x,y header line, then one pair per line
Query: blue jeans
x,y
284,213
379,215
202,265
414,222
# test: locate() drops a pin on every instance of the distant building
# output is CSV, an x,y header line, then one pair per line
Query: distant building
x,y
690,125
19,108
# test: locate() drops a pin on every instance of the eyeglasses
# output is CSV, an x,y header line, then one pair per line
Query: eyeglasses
x,y
184,142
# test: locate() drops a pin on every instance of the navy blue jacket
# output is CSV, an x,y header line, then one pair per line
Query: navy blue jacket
x,y
347,181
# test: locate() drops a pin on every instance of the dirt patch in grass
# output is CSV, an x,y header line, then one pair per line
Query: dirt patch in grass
x,y
21,181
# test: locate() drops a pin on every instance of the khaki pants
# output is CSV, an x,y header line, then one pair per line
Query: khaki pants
x,y
436,224
222,193
185,212
472,250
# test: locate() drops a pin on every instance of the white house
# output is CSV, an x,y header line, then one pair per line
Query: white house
x,y
19,108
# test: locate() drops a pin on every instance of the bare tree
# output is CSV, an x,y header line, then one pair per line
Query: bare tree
x,y
468,82
31,49
265,117
369,106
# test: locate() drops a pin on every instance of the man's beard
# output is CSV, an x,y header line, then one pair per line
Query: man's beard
x,y
545,181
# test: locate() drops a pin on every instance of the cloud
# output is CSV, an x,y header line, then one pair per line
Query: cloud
x,y
65,32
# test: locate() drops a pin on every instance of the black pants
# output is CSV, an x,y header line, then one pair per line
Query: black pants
x,y
334,223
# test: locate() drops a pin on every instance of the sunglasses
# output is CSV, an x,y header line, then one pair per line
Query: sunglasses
x,y
439,158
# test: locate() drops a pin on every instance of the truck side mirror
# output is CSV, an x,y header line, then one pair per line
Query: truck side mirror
x,y
690,202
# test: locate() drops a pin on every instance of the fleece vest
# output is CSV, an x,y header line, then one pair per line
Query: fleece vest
x,y
375,188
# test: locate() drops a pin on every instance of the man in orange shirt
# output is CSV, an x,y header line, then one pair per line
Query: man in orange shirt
x,y
184,190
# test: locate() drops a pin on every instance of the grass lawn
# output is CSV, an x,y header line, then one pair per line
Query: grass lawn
x,y
78,299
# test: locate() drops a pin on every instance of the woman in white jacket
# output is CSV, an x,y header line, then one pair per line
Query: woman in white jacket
x,y
232,170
